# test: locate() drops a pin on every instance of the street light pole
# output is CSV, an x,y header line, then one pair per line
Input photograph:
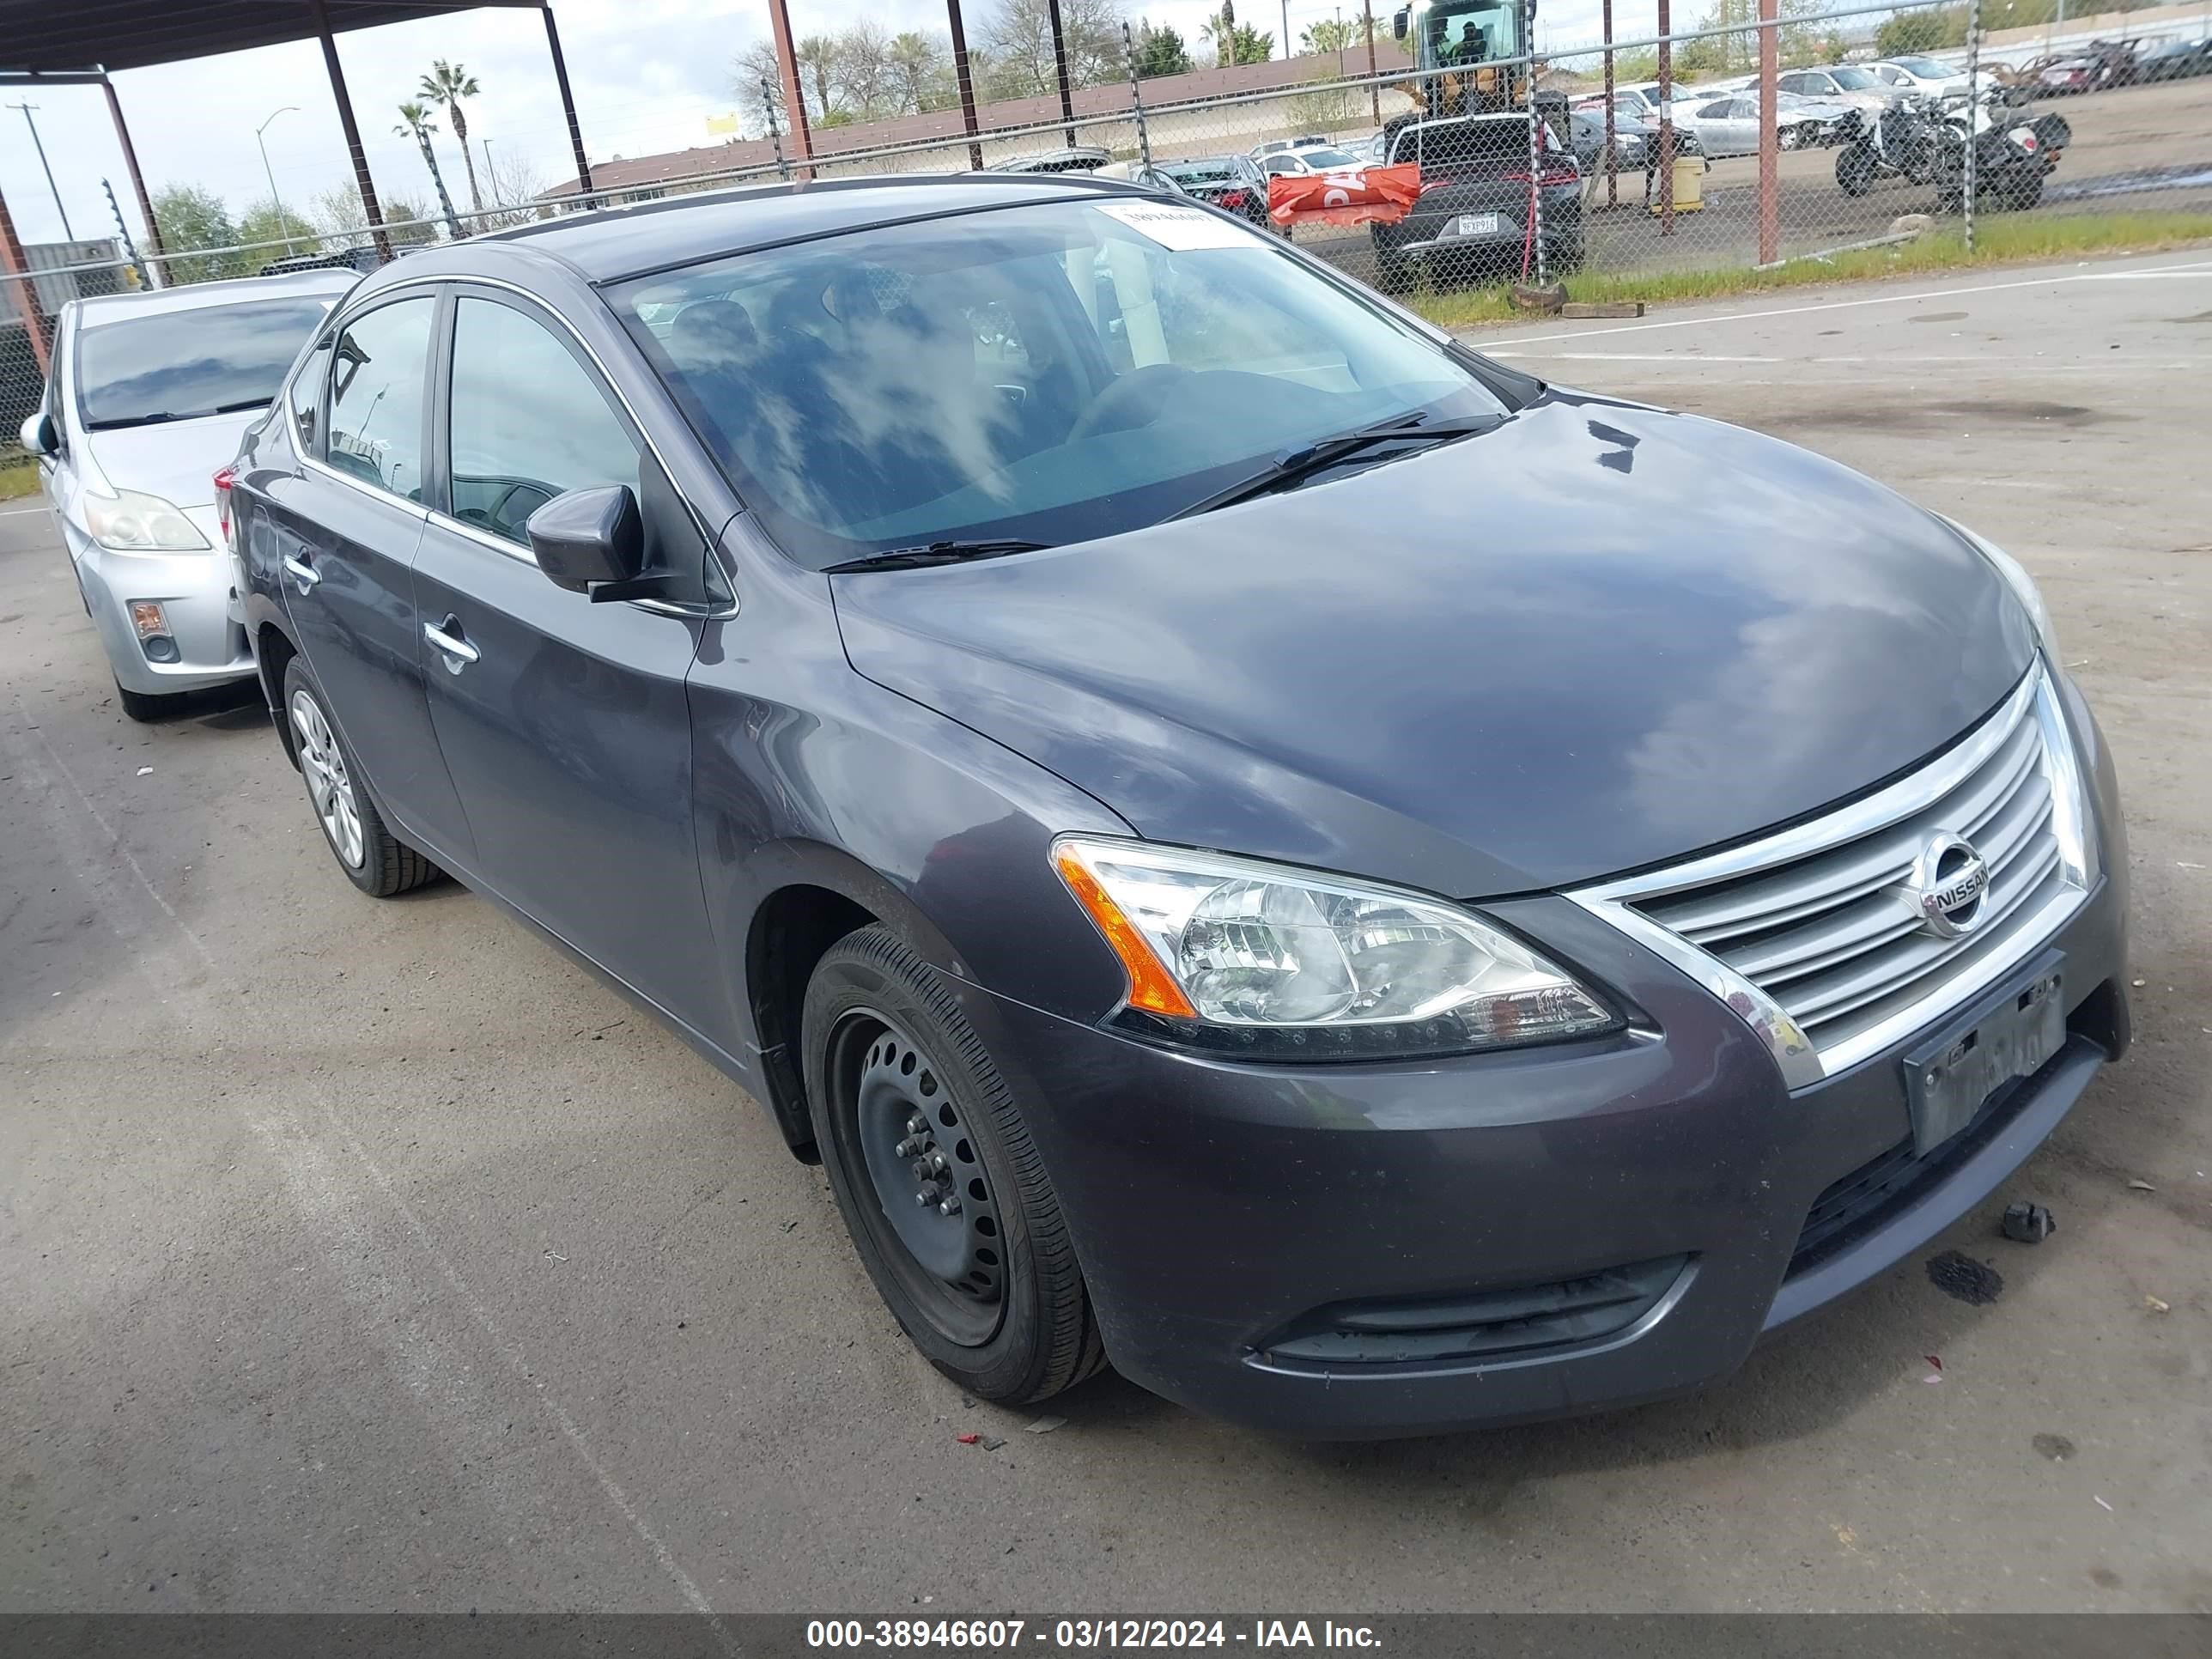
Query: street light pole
x,y
67,235
276,206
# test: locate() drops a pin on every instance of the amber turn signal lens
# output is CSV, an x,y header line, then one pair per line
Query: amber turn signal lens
x,y
1150,988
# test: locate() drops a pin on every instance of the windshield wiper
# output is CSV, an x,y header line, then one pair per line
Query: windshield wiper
x,y
1291,464
916,558
157,417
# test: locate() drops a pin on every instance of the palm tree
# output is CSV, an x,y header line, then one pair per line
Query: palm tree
x,y
447,84
415,118
1221,29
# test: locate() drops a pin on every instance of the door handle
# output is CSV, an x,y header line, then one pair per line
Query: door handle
x,y
460,653
302,573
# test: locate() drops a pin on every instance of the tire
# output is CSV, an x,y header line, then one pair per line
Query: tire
x,y
1392,275
374,858
1855,171
1809,135
994,1298
2024,195
144,708
1565,259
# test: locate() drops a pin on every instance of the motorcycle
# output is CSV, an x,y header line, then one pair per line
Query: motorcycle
x,y
1900,141
2012,156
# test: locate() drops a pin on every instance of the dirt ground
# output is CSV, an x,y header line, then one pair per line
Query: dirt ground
x,y
374,1256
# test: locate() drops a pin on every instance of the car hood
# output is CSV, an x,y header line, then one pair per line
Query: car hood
x,y
1596,638
176,461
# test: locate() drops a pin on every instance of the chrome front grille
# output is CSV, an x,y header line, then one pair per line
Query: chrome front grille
x,y
1814,934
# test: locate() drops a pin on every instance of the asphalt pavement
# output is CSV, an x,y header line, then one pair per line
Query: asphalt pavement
x,y
366,1255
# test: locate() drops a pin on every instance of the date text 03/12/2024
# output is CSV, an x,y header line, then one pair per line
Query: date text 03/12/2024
x,y
1014,1634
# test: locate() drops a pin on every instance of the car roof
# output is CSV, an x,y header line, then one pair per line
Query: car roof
x,y
100,308
610,244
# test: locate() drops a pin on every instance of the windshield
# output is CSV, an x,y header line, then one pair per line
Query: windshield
x,y
1049,373
1468,31
1199,173
1927,68
1855,80
1321,155
176,364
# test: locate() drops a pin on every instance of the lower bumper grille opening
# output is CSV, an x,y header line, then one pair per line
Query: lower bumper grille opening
x,y
1489,1323
1869,1196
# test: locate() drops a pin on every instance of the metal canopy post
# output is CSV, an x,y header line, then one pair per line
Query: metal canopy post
x,y
567,101
14,263
1060,64
794,95
137,179
961,72
360,179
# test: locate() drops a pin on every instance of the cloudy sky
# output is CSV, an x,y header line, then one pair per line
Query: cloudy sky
x,y
647,73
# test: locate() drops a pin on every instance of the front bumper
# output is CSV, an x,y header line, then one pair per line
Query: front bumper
x,y
195,595
1219,1209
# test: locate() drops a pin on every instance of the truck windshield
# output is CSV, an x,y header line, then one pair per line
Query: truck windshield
x,y
1454,32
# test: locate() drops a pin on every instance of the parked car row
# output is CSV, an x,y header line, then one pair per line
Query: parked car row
x,y
1245,836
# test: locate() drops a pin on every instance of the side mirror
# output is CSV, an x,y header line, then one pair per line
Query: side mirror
x,y
588,538
39,434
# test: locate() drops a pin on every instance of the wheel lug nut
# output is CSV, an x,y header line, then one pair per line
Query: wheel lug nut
x,y
949,1206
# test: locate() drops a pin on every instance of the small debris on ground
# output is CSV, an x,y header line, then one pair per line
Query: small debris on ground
x,y
1959,1275
2055,1447
969,1439
1933,1359
145,771
1045,1426
554,1256
992,1442
2028,1223
2156,1306
967,1402
2102,1504
2140,1186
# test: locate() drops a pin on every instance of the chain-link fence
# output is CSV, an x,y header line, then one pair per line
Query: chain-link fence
x,y
1762,142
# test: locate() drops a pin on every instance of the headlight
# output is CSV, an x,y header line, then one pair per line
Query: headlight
x,y
1250,958
129,522
2022,585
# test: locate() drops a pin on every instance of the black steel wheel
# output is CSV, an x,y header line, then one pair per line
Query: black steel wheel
x,y
923,1174
939,1184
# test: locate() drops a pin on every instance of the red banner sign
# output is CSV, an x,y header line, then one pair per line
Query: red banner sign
x,y
1379,194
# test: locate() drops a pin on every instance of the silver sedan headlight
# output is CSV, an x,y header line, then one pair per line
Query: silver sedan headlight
x,y
129,521
1240,957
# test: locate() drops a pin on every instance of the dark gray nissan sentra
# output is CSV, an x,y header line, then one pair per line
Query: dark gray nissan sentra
x,y
1368,892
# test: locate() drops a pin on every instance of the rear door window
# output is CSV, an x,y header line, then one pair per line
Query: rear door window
x,y
378,371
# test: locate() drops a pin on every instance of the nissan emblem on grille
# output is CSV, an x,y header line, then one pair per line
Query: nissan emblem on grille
x,y
1949,882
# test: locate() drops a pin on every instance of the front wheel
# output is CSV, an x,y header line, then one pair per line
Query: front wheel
x,y
1855,171
144,708
941,1188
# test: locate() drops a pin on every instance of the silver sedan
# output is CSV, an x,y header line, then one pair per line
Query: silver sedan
x,y
149,395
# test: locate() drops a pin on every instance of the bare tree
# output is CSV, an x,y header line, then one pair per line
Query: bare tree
x,y
1019,38
864,77
755,64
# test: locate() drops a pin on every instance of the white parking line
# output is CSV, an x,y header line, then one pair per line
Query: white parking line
x,y
2202,267
18,512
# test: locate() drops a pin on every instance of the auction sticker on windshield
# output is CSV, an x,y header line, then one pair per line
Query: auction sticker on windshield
x,y
1180,229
